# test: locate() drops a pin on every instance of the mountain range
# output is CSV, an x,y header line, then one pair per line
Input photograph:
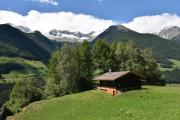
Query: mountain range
x,y
61,35
20,41
170,33
20,38
67,36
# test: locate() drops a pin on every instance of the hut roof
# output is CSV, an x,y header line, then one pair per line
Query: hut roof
x,y
111,76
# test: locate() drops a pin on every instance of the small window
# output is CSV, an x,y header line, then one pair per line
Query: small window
x,y
103,89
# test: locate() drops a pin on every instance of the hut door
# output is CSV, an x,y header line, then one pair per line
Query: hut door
x,y
114,92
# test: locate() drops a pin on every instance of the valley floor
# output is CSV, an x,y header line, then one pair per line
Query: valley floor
x,y
150,103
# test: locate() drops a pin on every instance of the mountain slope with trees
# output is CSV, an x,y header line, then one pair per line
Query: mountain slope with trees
x,y
15,43
162,49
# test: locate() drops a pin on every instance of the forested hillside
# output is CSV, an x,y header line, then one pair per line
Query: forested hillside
x,y
14,43
162,49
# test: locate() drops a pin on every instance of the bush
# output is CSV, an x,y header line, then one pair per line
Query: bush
x,y
23,93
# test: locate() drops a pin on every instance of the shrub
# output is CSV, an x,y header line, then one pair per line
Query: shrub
x,y
23,93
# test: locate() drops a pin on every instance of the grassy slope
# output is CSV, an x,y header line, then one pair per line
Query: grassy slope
x,y
176,63
151,103
31,68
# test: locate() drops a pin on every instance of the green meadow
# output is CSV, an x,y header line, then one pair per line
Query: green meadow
x,y
28,68
150,103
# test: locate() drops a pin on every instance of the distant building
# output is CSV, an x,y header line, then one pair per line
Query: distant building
x,y
117,82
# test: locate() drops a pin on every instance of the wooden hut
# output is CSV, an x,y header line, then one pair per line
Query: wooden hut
x,y
117,82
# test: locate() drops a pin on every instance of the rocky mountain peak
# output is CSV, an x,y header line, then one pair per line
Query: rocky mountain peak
x,y
64,35
117,28
172,32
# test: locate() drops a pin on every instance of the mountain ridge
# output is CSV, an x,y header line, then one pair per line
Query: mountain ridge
x,y
15,43
60,35
68,36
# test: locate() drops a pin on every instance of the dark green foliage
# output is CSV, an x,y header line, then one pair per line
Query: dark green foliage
x,y
5,90
70,70
172,76
4,112
67,69
85,64
15,43
53,74
63,72
153,74
102,56
129,57
114,61
5,68
23,93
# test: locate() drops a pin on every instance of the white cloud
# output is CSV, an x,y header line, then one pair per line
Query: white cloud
x,y
154,23
52,2
45,22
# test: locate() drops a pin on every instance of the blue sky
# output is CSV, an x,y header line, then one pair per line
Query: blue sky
x,y
145,16
117,10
